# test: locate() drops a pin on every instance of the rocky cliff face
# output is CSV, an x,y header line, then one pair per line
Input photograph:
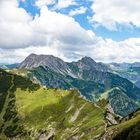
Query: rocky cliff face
x,y
54,63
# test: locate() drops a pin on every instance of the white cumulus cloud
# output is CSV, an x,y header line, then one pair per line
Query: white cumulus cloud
x,y
15,28
109,13
19,29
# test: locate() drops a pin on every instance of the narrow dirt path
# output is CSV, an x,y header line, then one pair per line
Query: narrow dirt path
x,y
77,112
71,105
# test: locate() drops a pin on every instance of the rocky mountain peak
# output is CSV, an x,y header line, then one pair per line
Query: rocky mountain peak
x,y
32,55
89,64
87,60
47,61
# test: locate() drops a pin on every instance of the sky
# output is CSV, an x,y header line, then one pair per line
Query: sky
x,y
105,30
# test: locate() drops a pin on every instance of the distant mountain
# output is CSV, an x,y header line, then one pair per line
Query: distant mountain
x,y
9,66
58,65
136,64
91,78
117,99
87,63
125,65
129,71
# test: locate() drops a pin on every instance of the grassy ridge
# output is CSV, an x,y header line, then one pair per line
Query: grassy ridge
x,y
51,109
129,130
32,112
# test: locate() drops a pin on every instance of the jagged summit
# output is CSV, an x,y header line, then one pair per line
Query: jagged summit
x,y
58,65
34,60
47,61
89,64
39,57
87,61
86,58
32,55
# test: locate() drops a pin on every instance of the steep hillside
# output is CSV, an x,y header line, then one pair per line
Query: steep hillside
x,y
52,79
31,112
119,101
9,120
130,130
109,80
126,130
59,114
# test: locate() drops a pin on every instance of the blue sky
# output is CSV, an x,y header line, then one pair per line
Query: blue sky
x,y
105,30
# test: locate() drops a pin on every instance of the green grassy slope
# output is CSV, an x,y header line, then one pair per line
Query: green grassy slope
x,y
126,130
31,112
129,130
63,112
9,125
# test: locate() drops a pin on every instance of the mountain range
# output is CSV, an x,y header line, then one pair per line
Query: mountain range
x,y
129,71
90,78
44,97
